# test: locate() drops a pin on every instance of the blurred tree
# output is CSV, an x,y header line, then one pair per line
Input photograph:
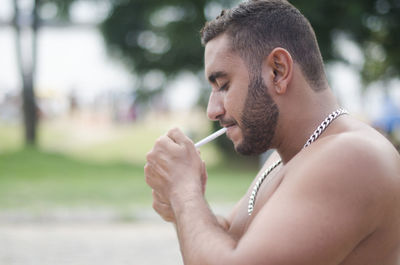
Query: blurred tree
x,y
27,23
23,22
374,25
157,35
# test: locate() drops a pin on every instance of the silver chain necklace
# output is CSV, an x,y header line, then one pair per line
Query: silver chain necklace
x,y
312,138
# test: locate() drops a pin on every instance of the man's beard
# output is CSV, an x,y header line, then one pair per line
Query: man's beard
x,y
259,119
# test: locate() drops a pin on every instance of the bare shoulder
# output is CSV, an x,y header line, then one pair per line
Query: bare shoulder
x,y
342,190
358,168
358,153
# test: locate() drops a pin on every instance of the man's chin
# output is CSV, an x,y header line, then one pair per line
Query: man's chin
x,y
248,150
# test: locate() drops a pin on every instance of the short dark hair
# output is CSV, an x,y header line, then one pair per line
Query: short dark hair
x,y
256,27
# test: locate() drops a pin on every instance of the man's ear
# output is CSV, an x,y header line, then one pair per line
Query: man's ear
x,y
280,69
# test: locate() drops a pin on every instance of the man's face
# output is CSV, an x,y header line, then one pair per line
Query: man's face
x,y
240,104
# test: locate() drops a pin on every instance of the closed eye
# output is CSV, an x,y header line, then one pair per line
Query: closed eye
x,y
224,87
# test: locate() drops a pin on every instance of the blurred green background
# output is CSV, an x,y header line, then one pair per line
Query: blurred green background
x,y
82,167
87,86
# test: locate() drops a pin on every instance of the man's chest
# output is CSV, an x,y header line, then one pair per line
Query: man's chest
x,y
242,219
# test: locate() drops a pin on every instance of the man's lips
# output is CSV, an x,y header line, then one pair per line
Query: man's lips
x,y
227,124
229,127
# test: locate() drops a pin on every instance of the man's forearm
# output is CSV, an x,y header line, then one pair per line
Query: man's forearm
x,y
203,240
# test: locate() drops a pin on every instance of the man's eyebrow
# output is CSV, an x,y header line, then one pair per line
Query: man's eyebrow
x,y
213,76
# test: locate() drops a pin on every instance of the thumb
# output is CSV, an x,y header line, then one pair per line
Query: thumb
x,y
204,177
178,137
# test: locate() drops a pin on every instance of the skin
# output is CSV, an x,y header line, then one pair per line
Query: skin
x,y
335,202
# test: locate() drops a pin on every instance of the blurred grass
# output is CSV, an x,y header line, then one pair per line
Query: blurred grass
x,y
31,180
101,168
103,142
10,137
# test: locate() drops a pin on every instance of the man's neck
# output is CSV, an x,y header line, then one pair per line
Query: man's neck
x,y
295,132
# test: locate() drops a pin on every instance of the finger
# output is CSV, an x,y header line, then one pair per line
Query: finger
x,y
179,137
151,176
204,170
204,177
166,217
147,169
163,209
157,196
163,139
162,142
147,173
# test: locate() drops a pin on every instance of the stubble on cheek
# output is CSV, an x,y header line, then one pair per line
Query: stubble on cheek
x,y
259,120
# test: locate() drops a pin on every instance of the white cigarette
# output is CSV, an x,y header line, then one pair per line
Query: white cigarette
x,y
210,137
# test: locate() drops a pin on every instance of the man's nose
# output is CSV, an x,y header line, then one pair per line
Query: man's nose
x,y
215,107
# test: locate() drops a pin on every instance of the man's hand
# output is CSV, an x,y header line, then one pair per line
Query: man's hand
x,y
163,207
174,169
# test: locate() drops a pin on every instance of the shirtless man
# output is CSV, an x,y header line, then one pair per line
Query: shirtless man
x,y
336,201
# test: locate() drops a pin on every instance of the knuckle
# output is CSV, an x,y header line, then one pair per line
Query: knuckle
x,y
187,140
149,155
168,218
146,169
174,129
156,206
159,140
148,180
173,132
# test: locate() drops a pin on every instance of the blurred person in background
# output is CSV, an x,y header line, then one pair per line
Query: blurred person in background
x,y
330,194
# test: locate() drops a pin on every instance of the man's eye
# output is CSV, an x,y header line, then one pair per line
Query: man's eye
x,y
224,87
